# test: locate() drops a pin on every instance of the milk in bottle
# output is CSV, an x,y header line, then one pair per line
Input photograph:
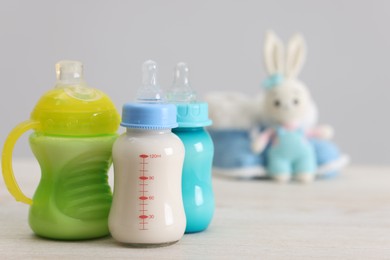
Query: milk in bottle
x,y
147,208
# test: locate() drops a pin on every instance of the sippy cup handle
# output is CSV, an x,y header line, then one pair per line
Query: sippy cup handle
x,y
8,173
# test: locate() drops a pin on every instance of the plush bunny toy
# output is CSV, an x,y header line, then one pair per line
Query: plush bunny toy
x,y
287,103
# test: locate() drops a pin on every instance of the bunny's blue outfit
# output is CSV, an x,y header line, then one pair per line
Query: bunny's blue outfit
x,y
290,152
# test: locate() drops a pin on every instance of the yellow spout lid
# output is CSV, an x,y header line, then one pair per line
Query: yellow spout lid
x,y
74,109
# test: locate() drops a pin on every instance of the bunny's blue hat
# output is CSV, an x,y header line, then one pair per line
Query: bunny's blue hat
x,y
273,80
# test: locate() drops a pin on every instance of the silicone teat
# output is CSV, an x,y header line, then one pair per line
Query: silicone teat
x,y
69,72
181,90
70,76
150,90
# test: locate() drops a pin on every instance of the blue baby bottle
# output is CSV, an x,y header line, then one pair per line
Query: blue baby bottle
x,y
192,117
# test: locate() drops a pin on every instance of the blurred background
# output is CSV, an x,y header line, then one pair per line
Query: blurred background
x,y
346,68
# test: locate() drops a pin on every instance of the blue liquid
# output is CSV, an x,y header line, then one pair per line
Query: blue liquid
x,y
198,196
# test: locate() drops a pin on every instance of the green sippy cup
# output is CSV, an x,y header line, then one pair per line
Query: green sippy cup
x,y
74,130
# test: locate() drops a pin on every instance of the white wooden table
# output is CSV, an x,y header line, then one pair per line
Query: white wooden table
x,y
344,218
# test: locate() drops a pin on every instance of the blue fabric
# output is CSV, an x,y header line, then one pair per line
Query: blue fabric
x,y
326,151
291,152
233,149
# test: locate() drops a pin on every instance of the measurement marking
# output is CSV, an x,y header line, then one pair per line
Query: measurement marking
x,y
142,198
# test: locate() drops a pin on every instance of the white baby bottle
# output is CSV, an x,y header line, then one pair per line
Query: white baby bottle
x,y
147,208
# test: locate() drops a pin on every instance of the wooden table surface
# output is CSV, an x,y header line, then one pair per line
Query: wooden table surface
x,y
344,218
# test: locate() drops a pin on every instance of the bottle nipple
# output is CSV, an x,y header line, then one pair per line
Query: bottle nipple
x,y
150,90
69,72
70,77
181,91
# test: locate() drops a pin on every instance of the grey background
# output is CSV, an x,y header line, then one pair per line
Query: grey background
x,y
346,69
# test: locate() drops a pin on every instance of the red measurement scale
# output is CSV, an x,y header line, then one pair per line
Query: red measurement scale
x,y
145,197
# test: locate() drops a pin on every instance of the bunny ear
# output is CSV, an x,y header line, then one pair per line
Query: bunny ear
x,y
296,55
273,54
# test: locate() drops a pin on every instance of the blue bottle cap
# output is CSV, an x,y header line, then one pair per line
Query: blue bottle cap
x,y
193,114
149,116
